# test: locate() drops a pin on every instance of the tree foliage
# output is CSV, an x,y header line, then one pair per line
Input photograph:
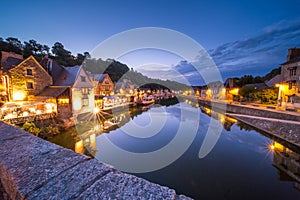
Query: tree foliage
x,y
32,47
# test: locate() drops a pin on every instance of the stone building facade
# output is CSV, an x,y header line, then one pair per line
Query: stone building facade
x,y
25,80
290,74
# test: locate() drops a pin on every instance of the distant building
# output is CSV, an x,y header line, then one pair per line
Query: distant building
x,y
257,86
125,87
274,81
289,91
232,89
216,90
104,86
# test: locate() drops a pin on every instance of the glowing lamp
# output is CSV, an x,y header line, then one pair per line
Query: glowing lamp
x,y
19,96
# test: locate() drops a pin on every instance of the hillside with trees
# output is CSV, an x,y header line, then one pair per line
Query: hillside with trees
x,y
116,70
32,47
119,71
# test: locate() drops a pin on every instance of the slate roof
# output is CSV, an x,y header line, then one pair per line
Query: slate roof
x,y
98,77
67,76
276,79
52,92
10,63
52,68
295,59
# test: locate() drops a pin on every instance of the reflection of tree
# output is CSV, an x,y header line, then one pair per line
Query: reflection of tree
x,y
244,126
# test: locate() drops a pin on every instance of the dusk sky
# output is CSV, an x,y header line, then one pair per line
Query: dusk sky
x,y
82,25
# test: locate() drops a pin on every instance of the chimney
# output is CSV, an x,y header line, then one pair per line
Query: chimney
x,y
292,53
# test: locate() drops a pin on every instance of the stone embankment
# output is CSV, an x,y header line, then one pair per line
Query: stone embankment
x,y
282,125
32,168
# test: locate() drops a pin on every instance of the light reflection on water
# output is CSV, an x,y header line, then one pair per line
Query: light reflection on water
x,y
244,164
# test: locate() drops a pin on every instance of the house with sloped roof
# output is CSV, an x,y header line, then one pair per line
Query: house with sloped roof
x,y
289,91
104,86
274,81
72,90
22,79
69,88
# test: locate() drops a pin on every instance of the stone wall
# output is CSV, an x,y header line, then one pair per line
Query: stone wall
x,y
32,168
253,111
19,77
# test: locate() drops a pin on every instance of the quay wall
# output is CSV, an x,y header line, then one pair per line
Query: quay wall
x,y
253,111
32,168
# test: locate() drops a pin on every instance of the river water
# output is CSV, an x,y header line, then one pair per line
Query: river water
x,y
162,144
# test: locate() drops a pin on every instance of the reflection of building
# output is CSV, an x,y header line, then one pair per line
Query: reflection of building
x,y
289,91
226,121
288,164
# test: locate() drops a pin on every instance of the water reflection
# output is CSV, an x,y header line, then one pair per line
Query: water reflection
x,y
243,161
287,162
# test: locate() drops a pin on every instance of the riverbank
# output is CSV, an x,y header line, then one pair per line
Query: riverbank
x,y
282,130
278,124
32,168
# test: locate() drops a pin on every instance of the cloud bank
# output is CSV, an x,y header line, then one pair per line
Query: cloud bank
x,y
256,55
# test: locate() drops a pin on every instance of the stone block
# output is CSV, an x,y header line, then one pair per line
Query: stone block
x,y
72,182
117,185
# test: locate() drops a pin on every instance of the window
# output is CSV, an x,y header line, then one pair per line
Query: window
x,y
85,91
29,72
293,71
63,101
85,102
106,82
29,85
106,87
291,84
82,78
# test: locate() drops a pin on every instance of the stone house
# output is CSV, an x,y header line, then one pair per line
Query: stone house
x,y
22,79
68,88
289,89
216,90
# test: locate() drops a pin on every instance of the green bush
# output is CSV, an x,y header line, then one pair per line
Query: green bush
x,y
31,128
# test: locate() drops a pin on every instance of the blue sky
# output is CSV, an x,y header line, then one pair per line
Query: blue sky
x,y
82,25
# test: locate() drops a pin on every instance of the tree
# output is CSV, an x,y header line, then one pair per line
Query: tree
x,y
14,42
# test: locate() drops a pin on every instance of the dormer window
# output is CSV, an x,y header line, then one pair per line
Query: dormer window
x,y
29,72
82,78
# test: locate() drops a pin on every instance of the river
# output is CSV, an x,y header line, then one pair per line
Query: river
x,y
243,163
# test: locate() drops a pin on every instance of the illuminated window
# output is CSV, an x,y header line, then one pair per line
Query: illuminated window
x,y
82,78
291,84
85,90
29,85
29,71
63,101
85,102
